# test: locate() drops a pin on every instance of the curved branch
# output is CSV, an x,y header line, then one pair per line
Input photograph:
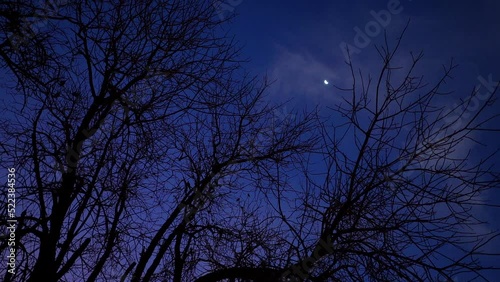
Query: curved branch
x,y
262,274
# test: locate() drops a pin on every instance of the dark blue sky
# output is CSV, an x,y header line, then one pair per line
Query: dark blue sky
x,y
468,32
297,43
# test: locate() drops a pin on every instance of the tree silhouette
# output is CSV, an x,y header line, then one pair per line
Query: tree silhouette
x,y
125,119
145,153
397,199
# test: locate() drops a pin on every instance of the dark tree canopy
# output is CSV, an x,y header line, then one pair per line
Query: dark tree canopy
x,y
144,152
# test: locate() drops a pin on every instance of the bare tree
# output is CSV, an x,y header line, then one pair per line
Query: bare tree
x,y
145,153
127,120
399,197
392,194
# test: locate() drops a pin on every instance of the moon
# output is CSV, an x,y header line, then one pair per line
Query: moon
x,y
325,82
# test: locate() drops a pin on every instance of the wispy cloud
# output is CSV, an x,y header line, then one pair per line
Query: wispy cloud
x,y
298,73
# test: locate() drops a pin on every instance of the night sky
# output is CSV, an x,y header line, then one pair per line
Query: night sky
x,y
300,46
297,43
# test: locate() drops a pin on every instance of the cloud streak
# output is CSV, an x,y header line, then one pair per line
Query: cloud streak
x,y
300,74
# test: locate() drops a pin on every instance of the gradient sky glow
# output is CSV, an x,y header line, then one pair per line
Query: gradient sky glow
x,y
297,44
300,46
